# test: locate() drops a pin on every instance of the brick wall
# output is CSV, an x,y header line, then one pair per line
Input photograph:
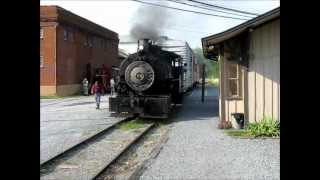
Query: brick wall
x,y
73,55
65,60
47,51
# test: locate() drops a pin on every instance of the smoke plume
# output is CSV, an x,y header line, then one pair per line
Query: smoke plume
x,y
150,22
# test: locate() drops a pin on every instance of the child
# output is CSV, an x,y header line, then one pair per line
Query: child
x,y
97,90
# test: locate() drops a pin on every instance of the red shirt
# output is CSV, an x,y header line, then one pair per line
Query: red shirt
x,y
96,89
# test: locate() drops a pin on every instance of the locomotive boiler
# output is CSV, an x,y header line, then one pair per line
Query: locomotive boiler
x,y
148,83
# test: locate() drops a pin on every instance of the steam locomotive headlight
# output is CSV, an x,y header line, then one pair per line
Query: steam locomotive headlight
x,y
139,75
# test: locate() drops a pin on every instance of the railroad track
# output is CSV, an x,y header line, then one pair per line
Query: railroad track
x,y
88,159
74,147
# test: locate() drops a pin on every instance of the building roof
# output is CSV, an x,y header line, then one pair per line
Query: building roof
x,y
230,33
61,15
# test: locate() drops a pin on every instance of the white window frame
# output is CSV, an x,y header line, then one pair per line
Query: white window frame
x,y
41,62
237,79
41,33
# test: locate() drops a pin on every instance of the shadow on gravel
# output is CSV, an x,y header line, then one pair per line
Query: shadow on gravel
x,y
193,109
80,103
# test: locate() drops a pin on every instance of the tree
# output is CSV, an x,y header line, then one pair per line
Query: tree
x,y
212,67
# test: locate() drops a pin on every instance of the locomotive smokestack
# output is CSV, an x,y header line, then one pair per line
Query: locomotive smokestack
x,y
146,44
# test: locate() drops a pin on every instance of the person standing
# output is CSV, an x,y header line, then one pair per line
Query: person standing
x,y
112,86
97,90
85,86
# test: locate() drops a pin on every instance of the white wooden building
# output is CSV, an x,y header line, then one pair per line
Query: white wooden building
x,y
249,58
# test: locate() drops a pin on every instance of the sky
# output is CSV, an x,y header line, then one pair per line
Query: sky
x,y
121,15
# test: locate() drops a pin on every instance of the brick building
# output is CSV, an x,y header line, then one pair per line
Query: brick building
x,y
67,44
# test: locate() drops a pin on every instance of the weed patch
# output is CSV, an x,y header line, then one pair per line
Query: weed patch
x,y
133,124
267,127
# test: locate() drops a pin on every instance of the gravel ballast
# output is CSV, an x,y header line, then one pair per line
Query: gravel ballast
x,y
197,149
69,121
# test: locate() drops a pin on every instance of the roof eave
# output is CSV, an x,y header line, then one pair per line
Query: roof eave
x,y
216,39
253,23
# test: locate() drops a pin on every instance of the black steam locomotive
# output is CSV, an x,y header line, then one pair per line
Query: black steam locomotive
x,y
148,83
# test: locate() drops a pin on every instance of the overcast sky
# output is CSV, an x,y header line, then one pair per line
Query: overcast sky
x,y
121,15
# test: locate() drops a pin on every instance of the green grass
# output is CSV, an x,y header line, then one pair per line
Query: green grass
x,y
51,97
238,133
133,124
59,97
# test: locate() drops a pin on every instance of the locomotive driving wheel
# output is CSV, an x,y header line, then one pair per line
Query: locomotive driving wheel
x,y
139,75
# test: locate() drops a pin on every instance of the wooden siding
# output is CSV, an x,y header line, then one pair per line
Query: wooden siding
x,y
261,96
264,73
222,107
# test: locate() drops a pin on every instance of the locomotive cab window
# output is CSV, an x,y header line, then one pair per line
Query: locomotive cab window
x,y
234,81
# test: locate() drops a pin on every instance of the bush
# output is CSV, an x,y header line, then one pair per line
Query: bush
x,y
214,81
266,127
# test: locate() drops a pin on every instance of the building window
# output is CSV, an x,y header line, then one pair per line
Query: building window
x,y
106,44
65,35
89,41
234,81
41,61
102,43
86,41
71,36
41,33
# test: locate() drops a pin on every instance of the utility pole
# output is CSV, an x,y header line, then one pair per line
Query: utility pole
x,y
203,81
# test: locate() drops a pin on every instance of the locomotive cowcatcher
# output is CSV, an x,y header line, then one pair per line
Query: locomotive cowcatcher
x,y
148,83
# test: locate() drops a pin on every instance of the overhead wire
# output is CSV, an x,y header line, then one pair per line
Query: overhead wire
x,y
179,2
174,28
197,12
220,7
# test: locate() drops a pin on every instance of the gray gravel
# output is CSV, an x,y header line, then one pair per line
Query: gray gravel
x,y
197,149
88,161
66,122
